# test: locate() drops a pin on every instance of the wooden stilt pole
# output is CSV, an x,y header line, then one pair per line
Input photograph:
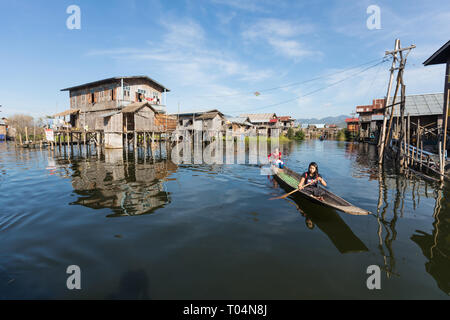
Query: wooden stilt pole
x,y
417,141
408,140
444,137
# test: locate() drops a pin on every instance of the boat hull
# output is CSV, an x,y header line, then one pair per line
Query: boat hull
x,y
289,180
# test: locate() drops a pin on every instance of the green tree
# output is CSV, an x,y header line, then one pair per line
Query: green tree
x,y
290,133
299,135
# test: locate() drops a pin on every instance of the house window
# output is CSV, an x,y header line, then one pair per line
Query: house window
x,y
126,92
156,97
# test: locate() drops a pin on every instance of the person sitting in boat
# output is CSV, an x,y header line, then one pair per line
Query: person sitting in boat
x,y
275,157
310,181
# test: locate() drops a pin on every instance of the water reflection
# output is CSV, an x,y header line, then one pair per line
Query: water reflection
x,y
408,235
126,187
436,246
329,222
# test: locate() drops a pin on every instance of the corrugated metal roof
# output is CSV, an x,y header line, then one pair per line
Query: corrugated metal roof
x,y
259,117
240,120
192,112
440,56
209,115
133,107
66,113
422,104
115,79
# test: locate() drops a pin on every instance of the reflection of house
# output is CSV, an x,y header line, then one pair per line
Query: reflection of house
x,y
92,101
238,125
126,190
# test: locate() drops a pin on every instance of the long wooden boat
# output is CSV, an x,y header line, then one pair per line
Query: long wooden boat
x,y
290,180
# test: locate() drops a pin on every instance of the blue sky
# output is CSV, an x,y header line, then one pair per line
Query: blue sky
x,y
216,53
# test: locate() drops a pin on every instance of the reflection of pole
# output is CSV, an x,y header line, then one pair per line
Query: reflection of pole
x,y
436,211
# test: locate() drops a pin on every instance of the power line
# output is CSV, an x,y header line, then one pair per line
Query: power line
x,y
314,91
293,84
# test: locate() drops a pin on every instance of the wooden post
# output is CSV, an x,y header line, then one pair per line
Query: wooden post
x,y
440,161
160,146
444,142
145,146
389,127
421,153
26,134
408,140
388,95
418,140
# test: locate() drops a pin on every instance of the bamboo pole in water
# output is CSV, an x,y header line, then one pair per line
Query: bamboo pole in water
x,y
408,139
421,154
417,141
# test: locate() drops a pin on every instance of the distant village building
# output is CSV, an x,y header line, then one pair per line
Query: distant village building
x,y
212,121
91,101
286,122
3,127
265,123
371,118
238,125
199,120
426,107
352,125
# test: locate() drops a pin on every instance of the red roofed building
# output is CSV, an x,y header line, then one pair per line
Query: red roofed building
x,y
286,121
352,125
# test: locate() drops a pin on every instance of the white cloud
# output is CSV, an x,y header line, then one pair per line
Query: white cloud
x,y
282,36
186,58
247,5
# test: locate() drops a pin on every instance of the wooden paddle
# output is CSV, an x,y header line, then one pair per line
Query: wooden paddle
x,y
288,194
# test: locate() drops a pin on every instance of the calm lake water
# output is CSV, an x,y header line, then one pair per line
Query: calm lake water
x,y
155,230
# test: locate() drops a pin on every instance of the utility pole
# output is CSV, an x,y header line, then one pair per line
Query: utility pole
x,y
386,112
384,137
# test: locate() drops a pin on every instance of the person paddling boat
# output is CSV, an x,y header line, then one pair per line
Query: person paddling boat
x,y
310,181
